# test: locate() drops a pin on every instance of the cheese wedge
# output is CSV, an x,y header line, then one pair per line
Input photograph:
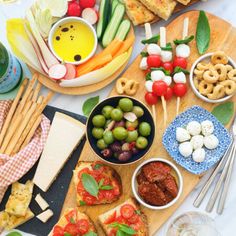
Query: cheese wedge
x,y
45,216
64,136
41,202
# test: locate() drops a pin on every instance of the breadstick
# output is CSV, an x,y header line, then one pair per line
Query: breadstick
x,y
32,131
36,92
26,108
12,110
20,129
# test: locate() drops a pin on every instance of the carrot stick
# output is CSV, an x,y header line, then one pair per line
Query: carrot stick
x,y
126,45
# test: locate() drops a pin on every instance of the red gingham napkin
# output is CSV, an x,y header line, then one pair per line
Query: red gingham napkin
x,y
14,167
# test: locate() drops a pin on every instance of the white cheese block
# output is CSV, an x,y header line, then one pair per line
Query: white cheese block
x,y
64,136
45,216
41,202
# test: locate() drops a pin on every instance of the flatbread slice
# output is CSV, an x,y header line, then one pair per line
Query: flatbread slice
x,y
184,2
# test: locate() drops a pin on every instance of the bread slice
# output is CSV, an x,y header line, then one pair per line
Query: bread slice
x,y
107,172
162,8
141,230
63,221
138,13
184,2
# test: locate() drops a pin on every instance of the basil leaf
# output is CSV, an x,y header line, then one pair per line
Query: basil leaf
x,y
144,54
166,72
148,76
168,47
72,221
120,233
127,229
106,187
138,212
153,39
100,183
89,104
224,112
90,184
67,234
184,41
14,233
179,69
97,166
91,233
203,33
82,203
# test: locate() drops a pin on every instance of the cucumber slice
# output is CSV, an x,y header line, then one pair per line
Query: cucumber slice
x,y
113,25
114,5
123,29
104,13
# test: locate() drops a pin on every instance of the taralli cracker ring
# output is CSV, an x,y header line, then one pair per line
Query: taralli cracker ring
x,y
211,76
230,86
232,75
198,73
131,87
218,92
205,88
219,58
229,68
222,71
203,66
120,85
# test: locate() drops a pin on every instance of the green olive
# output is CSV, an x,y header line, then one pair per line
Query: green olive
x,y
132,136
144,129
101,144
126,104
99,121
97,132
129,124
106,111
120,133
141,142
116,114
108,137
138,111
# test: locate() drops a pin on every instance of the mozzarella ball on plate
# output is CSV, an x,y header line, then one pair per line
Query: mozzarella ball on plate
x,y
143,64
183,50
166,56
199,155
194,128
148,85
168,80
211,141
207,127
153,49
186,149
157,75
197,141
179,77
182,135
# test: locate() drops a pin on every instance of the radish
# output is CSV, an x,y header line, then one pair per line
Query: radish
x,y
57,71
90,14
87,3
74,9
71,71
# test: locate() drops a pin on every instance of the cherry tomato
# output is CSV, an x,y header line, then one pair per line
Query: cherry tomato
x,y
89,199
121,220
150,98
58,231
83,226
74,9
154,61
87,3
127,211
112,232
85,170
159,88
169,93
71,216
108,194
180,89
71,229
111,218
134,219
137,225
168,66
180,62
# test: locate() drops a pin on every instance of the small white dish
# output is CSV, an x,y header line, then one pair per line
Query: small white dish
x,y
64,21
179,181
206,57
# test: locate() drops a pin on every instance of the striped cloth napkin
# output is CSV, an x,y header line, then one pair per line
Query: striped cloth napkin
x,y
12,168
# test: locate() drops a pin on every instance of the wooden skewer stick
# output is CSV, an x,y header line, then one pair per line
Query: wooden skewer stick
x,y
11,111
163,44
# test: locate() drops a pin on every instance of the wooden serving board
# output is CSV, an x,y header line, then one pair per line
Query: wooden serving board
x,y
223,36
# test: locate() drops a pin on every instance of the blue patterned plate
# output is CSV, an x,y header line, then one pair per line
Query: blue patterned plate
x,y
170,143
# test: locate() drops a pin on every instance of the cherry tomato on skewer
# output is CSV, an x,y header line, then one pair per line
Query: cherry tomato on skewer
x,y
154,61
180,62
159,88
151,98
168,66
180,89
169,93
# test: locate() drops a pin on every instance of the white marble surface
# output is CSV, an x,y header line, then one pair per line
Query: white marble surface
x,y
223,8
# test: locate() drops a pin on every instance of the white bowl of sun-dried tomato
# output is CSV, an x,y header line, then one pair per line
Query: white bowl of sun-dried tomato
x,y
157,183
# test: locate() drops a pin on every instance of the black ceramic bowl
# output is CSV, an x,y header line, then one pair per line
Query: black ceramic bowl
x,y
113,101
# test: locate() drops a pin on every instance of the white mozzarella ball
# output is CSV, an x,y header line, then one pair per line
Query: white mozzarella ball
x,y
167,80
186,149
194,128
207,127
197,141
143,64
182,135
148,85
166,56
179,77
211,141
157,75
199,155
183,50
153,49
